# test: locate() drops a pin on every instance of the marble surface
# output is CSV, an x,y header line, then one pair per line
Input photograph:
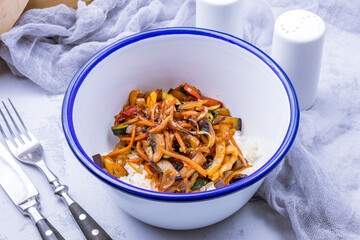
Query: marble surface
x,y
42,113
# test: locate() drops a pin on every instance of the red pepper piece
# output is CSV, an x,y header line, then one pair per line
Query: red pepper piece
x,y
125,114
211,101
192,90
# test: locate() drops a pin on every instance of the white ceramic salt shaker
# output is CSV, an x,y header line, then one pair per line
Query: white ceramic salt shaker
x,y
220,15
297,47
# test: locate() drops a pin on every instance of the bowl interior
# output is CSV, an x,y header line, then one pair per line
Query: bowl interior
x,y
219,68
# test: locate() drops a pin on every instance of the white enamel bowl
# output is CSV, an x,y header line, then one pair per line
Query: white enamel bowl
x,y
249,83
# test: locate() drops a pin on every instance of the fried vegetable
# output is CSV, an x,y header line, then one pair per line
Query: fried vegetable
x,y
209,116
235,123
169,97
238,177
119,130
157,142
198,159
223,128
162,126
181,139
132,97
169,174
227,165
178,165
206,126
192,104
191,141
179,95
151,99
115,169
211,102
125,114
192,90
219,183
222,111
200,183
219,157
165,165
149,152
213,108
98,161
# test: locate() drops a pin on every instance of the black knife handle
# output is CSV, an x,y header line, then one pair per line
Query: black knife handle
x,y
47,231
90,228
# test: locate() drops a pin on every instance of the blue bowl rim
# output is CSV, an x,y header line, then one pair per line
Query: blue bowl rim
x,y
259,174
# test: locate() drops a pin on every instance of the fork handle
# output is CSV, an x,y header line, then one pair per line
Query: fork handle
x,y
90,228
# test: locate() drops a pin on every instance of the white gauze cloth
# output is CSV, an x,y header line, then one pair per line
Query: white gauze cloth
x,y
318,184
48,46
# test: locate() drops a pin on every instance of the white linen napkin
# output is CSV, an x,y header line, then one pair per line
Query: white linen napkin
x,y
318,184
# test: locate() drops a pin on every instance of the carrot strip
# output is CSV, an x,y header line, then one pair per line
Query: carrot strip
x,y
140,151
181,142
146,123
168,141
140,137
131,121
189,113
228,179
133,167
128,147
186,160
135,160
240,153
147,169
162,125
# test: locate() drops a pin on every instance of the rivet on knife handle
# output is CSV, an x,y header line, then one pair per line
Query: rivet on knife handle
x,y
46,229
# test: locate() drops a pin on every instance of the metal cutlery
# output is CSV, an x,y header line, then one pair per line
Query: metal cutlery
x,y
27,149
24,194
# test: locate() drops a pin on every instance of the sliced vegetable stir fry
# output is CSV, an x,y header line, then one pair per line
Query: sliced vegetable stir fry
x,y
182,141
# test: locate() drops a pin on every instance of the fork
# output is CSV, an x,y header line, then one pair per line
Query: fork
x,y
27,149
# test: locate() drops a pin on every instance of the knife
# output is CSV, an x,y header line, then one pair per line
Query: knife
x,y
24,194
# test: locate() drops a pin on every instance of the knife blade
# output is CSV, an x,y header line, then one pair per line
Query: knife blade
x,y
13,179
24,194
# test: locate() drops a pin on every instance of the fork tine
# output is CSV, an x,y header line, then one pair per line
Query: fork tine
x,y
7,123
18,135
7,140
17,114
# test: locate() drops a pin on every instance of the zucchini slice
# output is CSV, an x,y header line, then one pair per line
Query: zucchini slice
x,y
119,130
200,183
213,108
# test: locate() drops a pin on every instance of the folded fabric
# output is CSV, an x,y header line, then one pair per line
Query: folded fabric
x,y
49,45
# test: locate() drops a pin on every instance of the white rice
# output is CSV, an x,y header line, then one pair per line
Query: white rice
x,y
248,147
137,179
207,187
